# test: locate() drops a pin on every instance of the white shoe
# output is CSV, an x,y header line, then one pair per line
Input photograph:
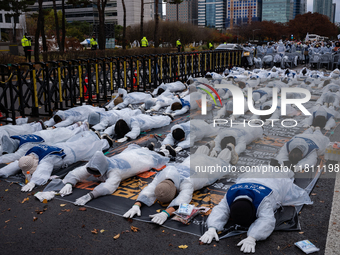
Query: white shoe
x,y
312,128
317,128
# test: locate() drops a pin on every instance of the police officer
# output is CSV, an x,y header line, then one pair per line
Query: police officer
x,y
144,42
26,43
178,45
93,43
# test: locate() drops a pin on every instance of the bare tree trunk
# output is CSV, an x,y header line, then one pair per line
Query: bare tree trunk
x,y
101,33
141,18
124,25
177,11
37,33
56,23
63,30
156,25
43,33
15,32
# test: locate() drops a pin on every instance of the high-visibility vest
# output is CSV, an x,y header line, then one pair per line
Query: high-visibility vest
x,y
210,45
178,43
144,42
25,42
93,42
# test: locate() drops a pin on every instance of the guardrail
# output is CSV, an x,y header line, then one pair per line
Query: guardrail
x,y
37,89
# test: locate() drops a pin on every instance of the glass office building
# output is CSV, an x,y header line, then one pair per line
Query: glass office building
x,y
277,10
323,7
243,11
212,13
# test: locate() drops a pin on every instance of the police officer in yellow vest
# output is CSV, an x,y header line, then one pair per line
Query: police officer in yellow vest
x,y
93,43
178,45
210,46
26,43
144,42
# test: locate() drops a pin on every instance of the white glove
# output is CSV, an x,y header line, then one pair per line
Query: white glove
x,y
257,102
66,190
135,209
48,195
248,244
209,235
28,187
121,140
83,200
178,149
213,153
202,150
115,108
306,125
162,147
159,218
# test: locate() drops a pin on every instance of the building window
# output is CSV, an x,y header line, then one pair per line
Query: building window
x,y
1,18
7,19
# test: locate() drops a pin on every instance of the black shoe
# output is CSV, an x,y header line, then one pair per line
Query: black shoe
x,y
151,146
42,124
169,114
171,150
108,138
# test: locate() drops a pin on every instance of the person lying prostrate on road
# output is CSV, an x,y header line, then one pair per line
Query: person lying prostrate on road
x,y
111,171
239,136
323,117
184,135
262,95
71,116
25,129
124,99
329,99
16,146
179,106
180,179
155,104
39,162
176,86
99,121
129,128
303,150
251,202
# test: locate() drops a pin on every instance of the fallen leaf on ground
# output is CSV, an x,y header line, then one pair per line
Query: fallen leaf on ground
x,y
20,228
301,233
95,231
101,231
116,236
130,220
334,223
62,205
6,189
163,231
35,218
25,199
337,191
66,210
322,201
183,246
159,210
134,229
45,201
313,194
82,209
7,221
8,209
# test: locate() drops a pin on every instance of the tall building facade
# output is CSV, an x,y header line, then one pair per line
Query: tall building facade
x,y
7,25
323,7
277,10
187,11
243,11
299,7
333,13
212,13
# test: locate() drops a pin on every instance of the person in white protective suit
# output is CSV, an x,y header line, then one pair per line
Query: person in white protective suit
x,y
71,116
184,135
25,129
322,117
302,150
179,106
251,202
330,87
329,99
262,95
176,86
155,104
111,171
290,111
129,128
16,146
123,99
39,162
182,179
227,110
99,121
239,136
